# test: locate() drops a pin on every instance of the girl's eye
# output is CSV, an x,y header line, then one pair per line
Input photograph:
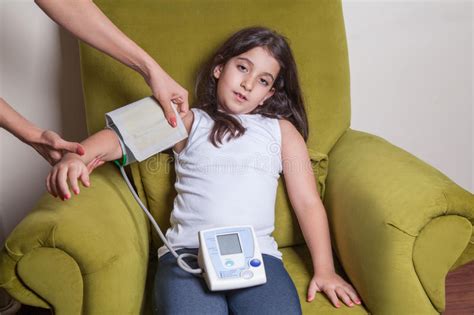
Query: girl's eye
x,y
264,82
240,67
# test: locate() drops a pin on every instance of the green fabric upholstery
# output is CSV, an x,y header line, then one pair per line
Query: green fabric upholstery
x,y
97,244
436,249
35,269
397,224
381,200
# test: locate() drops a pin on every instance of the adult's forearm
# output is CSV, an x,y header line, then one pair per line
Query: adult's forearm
x,y
16,124
87,22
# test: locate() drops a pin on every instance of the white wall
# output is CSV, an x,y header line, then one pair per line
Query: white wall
x,y
39,77
411,78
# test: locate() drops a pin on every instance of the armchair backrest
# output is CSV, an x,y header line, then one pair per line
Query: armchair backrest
x,y
181,34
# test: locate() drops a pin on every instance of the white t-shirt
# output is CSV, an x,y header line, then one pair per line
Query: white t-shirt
x,y
234,184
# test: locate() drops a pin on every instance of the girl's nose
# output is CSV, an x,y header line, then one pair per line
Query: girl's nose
x,y
247,85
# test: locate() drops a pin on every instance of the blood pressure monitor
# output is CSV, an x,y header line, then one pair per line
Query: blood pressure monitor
x,y
230,258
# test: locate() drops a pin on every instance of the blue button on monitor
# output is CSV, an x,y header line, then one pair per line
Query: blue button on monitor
x,y
255,262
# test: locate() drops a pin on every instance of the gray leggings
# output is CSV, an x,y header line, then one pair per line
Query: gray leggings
x,y
178,292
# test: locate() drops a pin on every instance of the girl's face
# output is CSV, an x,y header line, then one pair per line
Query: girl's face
x,y
246,81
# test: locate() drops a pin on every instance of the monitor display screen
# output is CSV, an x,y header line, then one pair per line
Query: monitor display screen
x,y
229,244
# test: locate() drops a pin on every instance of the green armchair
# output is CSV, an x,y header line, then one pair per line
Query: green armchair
x,y
398,225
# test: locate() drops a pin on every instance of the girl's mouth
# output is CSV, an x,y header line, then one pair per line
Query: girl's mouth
x,y
240,97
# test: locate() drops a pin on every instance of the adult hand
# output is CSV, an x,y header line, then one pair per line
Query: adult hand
x,y
48,143
167,91
88,23
52,147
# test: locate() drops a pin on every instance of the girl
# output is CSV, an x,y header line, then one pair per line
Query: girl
x,y
248,92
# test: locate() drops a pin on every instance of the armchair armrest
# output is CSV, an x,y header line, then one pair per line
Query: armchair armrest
x,y
398,224
85,255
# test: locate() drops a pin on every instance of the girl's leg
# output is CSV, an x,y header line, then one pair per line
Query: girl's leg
x,y
277,296
179,292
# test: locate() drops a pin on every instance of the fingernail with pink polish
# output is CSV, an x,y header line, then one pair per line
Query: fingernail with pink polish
x,y
173,121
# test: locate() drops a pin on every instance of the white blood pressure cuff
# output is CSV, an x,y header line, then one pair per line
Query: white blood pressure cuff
x,y
143,130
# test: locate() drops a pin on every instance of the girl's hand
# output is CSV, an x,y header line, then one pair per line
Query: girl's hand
x,y
52,147
167,91
333,286
71,167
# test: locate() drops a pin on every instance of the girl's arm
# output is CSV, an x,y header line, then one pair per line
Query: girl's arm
x,y
312,218
48,143
101,146
87,22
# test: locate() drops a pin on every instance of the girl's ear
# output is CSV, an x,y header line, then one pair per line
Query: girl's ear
x,y
217,71
268,95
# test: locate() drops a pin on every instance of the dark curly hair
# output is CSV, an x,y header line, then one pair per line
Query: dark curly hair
x,y
287,101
